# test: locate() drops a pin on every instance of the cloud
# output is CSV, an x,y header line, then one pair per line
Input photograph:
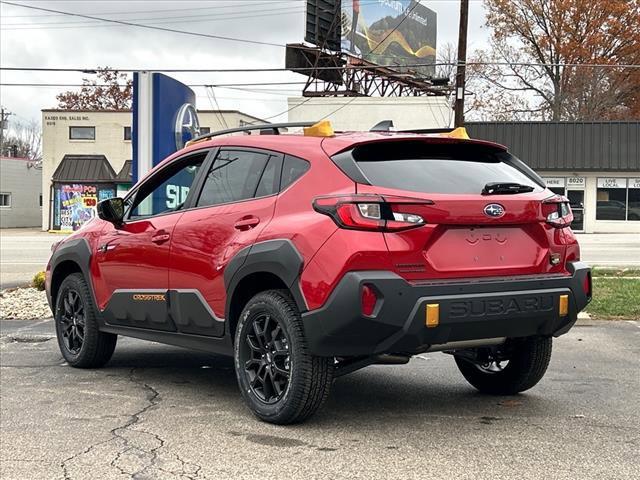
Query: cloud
x,y
73,44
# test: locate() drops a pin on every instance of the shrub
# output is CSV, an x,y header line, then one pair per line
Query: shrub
x,y
38,281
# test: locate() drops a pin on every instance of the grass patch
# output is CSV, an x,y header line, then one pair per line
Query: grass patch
x,y
615,298
615,272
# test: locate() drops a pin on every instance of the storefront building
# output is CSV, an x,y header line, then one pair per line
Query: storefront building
x,y
86,157
595,164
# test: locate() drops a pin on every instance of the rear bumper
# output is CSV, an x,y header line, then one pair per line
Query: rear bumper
x,y
468,310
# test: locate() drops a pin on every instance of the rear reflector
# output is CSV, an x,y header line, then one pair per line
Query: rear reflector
x,y
563,306
586,285
433,315
368,300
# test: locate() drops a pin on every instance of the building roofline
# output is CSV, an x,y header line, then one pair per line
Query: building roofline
x,y
88,110
558,122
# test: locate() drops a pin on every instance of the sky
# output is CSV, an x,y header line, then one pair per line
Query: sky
x,y
31,38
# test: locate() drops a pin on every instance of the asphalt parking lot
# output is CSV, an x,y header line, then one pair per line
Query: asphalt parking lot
x,y
158,412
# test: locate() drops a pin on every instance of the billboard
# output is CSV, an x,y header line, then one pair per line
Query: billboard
x,y
384,32
390,32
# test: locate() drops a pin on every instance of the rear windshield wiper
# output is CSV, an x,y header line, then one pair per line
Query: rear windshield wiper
x,y
500,188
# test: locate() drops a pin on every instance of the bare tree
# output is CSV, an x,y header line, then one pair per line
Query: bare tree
x,y
23,139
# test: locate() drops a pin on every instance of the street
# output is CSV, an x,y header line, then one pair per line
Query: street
x,y
24,252
158,412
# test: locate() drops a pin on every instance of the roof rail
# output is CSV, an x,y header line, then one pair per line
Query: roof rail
x,y
274,127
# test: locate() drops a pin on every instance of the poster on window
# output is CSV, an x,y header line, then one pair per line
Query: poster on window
x,y
77,204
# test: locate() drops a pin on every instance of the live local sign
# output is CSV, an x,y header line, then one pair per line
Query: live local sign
x,y
554,181
612,183
634,183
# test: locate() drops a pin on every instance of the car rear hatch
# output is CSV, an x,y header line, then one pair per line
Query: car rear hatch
x,y
481,211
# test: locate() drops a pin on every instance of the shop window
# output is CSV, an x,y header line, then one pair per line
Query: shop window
x,y
82,133
634,199
5,200
127,133
40,200
612,199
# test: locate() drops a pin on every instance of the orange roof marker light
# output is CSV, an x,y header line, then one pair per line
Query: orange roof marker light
x,y
321,129
459,132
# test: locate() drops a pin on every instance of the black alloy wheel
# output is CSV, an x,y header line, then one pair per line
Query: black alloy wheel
x,y
266,358
81,342
279,379
72,320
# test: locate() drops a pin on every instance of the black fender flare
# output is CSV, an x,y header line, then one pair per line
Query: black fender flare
x,y
278,257
75,250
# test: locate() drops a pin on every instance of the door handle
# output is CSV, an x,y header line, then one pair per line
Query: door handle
x,y
160,238
246,223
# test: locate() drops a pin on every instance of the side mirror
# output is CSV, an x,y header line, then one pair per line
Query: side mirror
x,y
111,210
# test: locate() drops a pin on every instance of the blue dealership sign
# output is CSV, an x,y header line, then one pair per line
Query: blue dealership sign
x,y
164,119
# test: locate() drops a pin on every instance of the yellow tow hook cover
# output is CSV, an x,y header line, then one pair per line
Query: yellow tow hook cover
x,y
321,129
433,315
563,306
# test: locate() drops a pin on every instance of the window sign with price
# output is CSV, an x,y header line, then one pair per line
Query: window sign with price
x,y
77,204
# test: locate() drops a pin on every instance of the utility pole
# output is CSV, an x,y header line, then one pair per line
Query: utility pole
x,y
462,63
3,125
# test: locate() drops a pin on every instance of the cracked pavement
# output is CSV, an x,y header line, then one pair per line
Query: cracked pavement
x,y
159,412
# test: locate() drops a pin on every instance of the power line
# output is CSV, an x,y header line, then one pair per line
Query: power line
x,y
150,27
280,69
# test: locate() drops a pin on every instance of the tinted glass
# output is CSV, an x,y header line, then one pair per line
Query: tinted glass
x,y
234,176
433,168
167,190
270,181
292,170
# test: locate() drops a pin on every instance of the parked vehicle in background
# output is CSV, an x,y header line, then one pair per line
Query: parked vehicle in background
x,y
307,257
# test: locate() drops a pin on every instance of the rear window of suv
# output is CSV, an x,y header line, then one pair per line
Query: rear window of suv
x,y
440,168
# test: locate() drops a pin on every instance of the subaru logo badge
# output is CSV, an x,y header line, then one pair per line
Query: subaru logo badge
x,y
494,210
187,125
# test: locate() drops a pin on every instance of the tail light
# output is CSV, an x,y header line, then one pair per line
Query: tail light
x,y
372,212
557,211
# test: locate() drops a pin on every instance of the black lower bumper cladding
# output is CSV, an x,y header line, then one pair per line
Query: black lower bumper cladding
x,y
468,310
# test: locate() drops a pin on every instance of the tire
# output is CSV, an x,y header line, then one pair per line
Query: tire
x,y
280,381
527,364
81,342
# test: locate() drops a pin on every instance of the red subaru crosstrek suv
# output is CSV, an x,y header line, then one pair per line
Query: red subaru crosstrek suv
x,y
309,256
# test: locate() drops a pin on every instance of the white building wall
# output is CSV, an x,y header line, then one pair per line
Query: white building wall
x,y
362,113
22,180
591,224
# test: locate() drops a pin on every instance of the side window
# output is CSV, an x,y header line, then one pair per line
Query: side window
x,y
167,190
234,176
292,170
270,181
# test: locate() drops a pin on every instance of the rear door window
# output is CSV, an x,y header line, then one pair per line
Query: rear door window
x,y
234,176
440,168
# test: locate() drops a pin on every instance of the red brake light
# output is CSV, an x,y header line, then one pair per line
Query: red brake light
x,y
557,211
368,300
371,212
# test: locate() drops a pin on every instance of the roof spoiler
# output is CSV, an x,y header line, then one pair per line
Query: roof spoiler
x,y
387,126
